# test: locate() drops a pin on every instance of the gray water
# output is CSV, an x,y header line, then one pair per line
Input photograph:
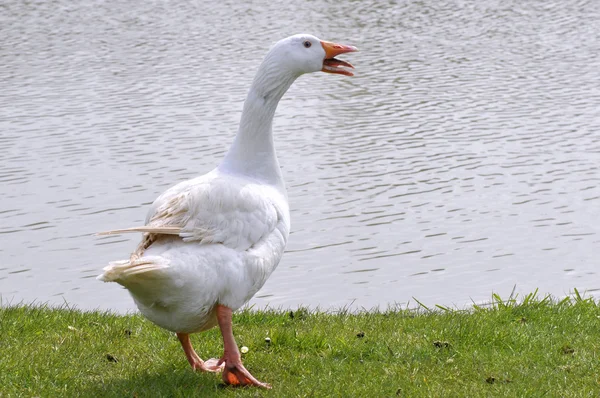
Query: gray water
x,y
462,159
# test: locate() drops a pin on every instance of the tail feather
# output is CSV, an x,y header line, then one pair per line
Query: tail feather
x,y
118,271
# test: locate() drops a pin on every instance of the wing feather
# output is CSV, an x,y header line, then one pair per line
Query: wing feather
x,y
212,209
145,228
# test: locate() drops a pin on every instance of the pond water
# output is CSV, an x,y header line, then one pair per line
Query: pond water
x,y
462,159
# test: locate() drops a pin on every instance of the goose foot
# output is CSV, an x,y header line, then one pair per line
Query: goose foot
x,y
235,374
211,365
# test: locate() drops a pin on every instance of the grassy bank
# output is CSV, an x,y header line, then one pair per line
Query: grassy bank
x,y
529,347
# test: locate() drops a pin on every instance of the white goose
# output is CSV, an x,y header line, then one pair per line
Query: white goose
x,y
210,243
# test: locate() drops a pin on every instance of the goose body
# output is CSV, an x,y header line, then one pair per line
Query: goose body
x,y
233,236
210,243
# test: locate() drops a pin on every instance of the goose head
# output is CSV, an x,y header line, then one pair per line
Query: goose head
x,y
305,53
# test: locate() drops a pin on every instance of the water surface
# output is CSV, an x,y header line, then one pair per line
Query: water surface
x,y
463,159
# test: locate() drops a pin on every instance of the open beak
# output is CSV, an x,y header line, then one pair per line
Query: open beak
x,y
333,65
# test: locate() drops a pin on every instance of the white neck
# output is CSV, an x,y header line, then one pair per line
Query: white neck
x,y
252,153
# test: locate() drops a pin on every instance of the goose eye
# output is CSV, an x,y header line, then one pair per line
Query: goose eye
x,y
307,44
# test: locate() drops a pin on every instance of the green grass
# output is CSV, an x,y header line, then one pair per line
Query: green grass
x,y
516,348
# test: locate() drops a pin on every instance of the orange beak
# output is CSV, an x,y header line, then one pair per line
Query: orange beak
x,y
333,65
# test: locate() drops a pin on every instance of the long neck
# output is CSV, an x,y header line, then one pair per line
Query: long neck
x,y
253,152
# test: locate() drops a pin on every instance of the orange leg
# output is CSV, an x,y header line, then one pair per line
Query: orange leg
x,y
212,365
234,372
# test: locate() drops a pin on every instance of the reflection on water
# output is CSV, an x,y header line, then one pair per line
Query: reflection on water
x,y
462,159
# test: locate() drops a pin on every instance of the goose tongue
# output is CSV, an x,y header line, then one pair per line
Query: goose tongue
x,y
334,65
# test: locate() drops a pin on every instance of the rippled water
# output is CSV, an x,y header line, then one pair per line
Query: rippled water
x,y
463,159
